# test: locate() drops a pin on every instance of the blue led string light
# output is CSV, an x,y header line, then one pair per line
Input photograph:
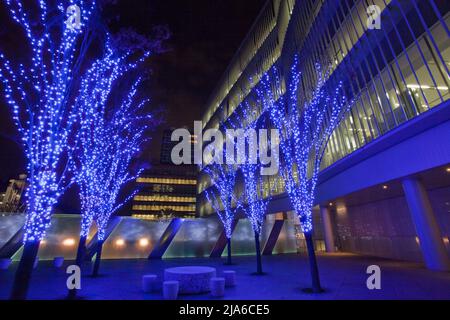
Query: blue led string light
x,y
38,94
221,195
305,131
254,201
110,136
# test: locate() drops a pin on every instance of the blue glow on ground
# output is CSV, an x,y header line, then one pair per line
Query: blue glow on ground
x,y
343,276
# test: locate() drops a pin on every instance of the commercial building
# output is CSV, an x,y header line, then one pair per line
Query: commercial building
x,y
166,191
167,146
384,188
12,199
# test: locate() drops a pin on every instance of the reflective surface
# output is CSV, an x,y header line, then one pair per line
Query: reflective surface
x,y
196,238
9,225
136,238
133,239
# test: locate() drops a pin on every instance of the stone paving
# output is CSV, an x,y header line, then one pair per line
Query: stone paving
x,y
343,276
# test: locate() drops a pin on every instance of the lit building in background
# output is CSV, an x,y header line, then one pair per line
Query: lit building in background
x,y
11,201
166,191
387,165
167,146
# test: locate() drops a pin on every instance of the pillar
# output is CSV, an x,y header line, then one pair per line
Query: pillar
x,y
427,228
327,229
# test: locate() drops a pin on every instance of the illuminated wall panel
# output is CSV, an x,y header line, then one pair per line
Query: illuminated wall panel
x,y
196,238
286,242
243,239
61,239
9,225
136,238
133,239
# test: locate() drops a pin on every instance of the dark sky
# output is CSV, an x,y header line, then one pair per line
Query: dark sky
x,y
205,36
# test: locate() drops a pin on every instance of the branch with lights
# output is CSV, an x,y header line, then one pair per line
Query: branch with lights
x,y
306,125
256,194
112,129
221,195
39,92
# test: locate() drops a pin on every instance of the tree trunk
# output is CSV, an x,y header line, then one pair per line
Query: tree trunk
x,y
229,251
81,252
98,257
316,288
24,270
258,255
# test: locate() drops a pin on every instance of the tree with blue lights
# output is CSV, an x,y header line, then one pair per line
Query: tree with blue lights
x,y
96,101
39,92
254,192
306,124
112,130
222,197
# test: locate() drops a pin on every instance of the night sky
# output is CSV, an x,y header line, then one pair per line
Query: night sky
x,y
205,35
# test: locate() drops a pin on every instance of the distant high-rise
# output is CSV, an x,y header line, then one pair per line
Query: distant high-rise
x,y
167,145
166,191
12,200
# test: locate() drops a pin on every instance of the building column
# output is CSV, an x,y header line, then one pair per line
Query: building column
x,y
427,228
327,229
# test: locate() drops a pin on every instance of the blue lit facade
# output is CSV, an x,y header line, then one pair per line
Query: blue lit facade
x,y
394,74
398,79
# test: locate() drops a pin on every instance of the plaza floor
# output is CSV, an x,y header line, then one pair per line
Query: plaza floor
x,y
343,276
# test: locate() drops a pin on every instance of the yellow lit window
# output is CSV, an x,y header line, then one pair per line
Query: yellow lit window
x,y
168,181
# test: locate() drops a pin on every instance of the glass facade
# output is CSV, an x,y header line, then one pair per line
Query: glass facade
x,y
392,74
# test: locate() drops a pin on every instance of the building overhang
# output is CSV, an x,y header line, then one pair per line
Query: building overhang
x,y
420,144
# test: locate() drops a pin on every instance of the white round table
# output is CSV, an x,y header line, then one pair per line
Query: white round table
x,y
192,279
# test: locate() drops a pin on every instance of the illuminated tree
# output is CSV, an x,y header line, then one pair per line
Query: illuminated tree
x,y
112,131
306,124
94,132
39,92
222,197
254,192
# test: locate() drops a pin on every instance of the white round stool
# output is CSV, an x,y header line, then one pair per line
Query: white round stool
x,y
148,283
58,262
217,286
192,279
170,290
5,263
230,278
